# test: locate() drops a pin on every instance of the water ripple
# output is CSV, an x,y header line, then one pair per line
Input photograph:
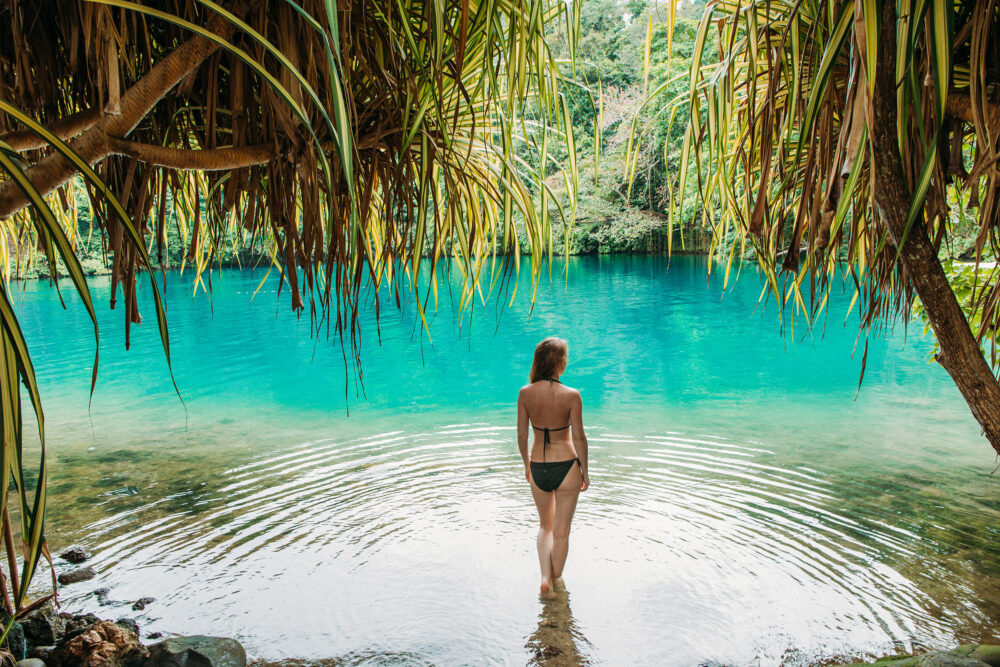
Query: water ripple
x,y
705,548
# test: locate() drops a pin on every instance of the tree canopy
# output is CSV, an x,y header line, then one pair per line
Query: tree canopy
x,y
852,129
349,140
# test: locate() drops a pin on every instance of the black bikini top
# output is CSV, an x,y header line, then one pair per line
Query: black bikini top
x,y
546,440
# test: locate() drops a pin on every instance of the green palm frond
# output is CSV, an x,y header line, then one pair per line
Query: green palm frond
x,y
778,139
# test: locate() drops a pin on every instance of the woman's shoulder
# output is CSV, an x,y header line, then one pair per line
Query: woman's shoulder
x,y
570,391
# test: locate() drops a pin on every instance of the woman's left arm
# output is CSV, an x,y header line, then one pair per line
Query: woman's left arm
x,y
579,437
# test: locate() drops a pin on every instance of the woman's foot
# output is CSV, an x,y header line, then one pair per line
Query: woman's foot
x,y
546,585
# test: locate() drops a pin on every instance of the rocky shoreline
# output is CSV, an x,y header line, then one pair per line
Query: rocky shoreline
x,y
45,638
967,655
49,638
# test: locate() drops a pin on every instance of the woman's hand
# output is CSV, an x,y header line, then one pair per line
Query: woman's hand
x,y
527,474
586,482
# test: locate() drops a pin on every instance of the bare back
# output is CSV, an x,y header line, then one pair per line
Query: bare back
x,y
550,405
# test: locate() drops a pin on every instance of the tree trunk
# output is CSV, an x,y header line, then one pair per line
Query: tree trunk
x,y
960,353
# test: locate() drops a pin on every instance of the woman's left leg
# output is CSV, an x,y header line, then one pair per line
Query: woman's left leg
x,y
566,497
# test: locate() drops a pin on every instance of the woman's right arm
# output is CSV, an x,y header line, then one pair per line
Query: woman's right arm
x,y
579,437
522,434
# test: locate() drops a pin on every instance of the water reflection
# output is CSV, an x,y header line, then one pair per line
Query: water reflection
x,y
556,642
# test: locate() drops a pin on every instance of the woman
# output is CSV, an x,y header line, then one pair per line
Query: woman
x,y
557,467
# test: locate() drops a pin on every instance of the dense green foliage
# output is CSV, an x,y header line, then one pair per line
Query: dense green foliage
x,y
619,136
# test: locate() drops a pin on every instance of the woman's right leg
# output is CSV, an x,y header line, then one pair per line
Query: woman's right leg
x,y
565,496
545,502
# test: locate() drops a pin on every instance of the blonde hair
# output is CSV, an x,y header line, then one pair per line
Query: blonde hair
x,y
548,354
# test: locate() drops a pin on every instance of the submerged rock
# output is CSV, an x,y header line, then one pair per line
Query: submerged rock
x,y
102,644
141,603
102,596
30,662
123,491
75,555
967,655
197,651
948,659
77,575
988,653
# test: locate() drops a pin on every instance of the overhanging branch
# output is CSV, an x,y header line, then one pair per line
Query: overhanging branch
x,y
960,106
64,128
93,145
215,159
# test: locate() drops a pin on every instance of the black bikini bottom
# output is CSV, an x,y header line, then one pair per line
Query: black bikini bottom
x,y
549,475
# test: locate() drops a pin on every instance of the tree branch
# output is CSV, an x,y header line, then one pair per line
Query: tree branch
x,y
53,170
216,159
64,128
960,106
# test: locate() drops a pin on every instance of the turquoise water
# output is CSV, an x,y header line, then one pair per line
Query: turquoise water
x,y
748,504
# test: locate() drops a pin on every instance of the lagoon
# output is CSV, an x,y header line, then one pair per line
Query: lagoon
x,y
749,504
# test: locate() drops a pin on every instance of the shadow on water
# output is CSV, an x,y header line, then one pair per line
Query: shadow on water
x,y
557,641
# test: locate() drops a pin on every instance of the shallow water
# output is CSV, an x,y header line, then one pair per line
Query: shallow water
x,y
747,506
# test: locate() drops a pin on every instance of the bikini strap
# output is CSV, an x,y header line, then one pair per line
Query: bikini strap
x,y
545,431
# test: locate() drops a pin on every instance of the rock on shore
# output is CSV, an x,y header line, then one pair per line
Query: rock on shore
x,y
967,655
102,644
45,638
197,651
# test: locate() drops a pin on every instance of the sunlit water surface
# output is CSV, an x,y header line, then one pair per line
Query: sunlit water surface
x,y
746,507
